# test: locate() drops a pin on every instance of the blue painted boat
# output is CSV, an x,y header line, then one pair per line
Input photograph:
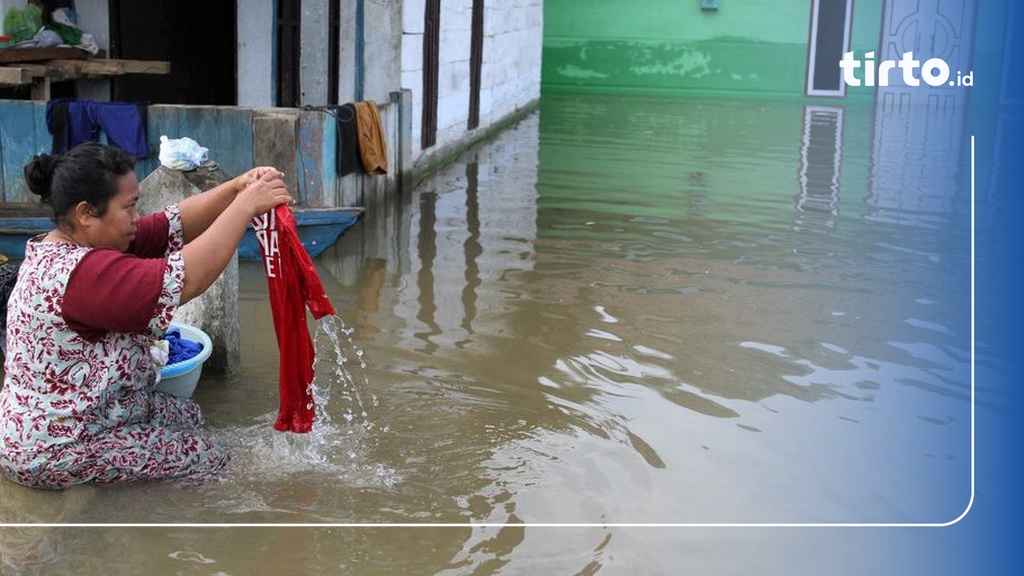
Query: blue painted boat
x,y
319,228
18,223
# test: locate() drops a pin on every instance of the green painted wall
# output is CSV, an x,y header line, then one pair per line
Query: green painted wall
x,y
755,47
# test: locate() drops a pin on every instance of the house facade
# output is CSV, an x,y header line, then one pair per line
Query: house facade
x,y
775,48
444,75
829,58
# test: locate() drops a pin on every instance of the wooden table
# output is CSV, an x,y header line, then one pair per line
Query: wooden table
x,y
40,66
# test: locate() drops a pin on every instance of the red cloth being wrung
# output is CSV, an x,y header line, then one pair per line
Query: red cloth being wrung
x,y
294,285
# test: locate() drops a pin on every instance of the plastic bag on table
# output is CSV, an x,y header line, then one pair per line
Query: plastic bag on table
x,y
47,38
23,24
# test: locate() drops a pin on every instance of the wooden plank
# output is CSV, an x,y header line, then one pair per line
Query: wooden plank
x,y
18,144
106,67
274,145
200,124
58,70
194,123
41,89
36,54
234,139
226,131
331,178
17,75
144,66
389,123
350,189
310,149
44,140
161,120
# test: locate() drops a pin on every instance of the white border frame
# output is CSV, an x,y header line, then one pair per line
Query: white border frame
x,y
967,509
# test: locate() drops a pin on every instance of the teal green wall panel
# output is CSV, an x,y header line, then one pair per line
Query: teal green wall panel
x,y
755,20
866,31
747,47
713,66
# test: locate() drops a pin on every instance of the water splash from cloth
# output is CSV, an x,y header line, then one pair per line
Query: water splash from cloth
x,y
330,373
344,435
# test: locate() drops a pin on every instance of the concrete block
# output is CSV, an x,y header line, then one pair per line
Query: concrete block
x,y
215,311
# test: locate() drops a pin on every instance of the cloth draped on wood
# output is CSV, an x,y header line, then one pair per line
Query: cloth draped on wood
x,y
372,149
294,285
346,140
72,122
360,142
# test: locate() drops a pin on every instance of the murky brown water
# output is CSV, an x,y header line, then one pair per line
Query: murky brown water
x,y
619,311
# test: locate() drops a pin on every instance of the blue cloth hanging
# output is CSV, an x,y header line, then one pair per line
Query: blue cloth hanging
x,y
72,122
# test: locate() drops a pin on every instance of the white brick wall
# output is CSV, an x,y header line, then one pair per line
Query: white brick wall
x,y
510,79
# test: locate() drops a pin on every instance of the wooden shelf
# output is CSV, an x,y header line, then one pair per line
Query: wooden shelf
x,y
36,54
39,70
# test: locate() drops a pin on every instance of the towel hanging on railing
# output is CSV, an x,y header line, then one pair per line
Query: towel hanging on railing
x,y
360,144
372,148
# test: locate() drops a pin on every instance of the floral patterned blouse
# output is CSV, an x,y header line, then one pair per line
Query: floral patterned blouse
x,y
79,405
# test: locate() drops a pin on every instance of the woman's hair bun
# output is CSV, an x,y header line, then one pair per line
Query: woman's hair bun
x,y
39,174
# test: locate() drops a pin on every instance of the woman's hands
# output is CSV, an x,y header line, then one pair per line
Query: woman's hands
x,y
244,179
255,192
263,190
199,212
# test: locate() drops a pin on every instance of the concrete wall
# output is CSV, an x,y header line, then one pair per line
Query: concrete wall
x,y
510,80
382,63
381,52
256,67
746,46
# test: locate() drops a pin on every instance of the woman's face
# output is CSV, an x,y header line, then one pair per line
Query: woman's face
x,y
116,228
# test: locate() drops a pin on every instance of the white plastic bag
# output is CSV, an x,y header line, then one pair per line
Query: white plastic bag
x,y
47,38
181,153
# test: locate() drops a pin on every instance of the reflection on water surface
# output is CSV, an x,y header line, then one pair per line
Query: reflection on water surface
x,y
619,311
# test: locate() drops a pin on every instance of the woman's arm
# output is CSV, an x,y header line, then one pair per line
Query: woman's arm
x,y
211,250
199,212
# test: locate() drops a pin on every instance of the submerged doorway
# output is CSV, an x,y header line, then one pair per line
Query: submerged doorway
x,y
919,141
928,29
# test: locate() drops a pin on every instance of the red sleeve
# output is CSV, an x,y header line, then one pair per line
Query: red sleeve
x,y
110,291
151,236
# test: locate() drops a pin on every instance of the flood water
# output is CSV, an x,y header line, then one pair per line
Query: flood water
x,y
618,311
